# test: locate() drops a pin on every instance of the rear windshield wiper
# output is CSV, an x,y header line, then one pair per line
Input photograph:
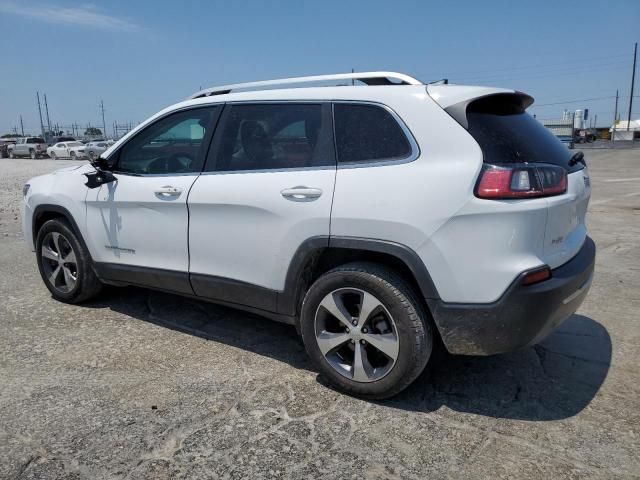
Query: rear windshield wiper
x,y
577,157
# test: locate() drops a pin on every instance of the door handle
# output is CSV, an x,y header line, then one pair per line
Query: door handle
x,y
168,191
301,193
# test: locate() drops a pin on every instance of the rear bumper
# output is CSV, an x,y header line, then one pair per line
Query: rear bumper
x,y
523,316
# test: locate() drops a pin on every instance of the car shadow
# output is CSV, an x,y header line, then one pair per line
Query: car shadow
x,y
553,380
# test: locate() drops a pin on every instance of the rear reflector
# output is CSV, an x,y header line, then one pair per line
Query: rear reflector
x,y
536,276
521,181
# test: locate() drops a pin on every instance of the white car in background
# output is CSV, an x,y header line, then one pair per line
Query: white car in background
x,y
73,150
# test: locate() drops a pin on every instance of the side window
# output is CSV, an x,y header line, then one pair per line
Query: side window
x,y
173,144
367,133
273,136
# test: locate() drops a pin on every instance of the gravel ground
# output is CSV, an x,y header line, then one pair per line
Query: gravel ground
x,y
148,385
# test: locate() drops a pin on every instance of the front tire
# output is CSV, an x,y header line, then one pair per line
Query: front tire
x,y
64,263
365,330
73,156
11,155
53,156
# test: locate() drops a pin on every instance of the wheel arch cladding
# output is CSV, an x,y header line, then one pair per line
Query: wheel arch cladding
x,y
45,212
317,255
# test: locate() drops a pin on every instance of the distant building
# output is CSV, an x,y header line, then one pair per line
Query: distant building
x,y
621,132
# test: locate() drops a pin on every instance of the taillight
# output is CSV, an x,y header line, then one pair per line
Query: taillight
x,y
38,146
521,181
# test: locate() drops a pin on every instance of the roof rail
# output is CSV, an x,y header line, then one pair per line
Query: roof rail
x,y
369,78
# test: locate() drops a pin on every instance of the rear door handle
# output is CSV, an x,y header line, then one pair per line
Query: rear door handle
x,y
301,193
168,191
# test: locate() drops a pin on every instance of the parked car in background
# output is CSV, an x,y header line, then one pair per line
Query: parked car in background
x,y
33,147
59,139
73,150
94,149
4,146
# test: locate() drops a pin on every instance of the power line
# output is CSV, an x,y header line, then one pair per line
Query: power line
x,y
524,67
574,101
558,73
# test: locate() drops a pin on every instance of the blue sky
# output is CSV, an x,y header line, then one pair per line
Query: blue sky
x,y
139,56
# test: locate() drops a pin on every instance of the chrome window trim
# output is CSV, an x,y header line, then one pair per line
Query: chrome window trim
x,y
271,170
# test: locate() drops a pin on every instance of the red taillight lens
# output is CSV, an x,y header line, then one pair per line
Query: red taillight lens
x,y
521,181
536,276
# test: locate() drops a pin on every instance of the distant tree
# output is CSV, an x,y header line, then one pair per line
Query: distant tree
x,y
10,135
92,131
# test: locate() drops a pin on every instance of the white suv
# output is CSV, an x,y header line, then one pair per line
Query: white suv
x,y
373,216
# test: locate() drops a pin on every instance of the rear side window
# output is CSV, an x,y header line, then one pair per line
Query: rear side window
x,y
35,140
508,134
273,136
366,133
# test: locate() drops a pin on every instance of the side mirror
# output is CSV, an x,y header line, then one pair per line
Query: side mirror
x,y
102,174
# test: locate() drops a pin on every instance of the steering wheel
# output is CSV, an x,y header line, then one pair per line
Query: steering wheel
x,y
171,164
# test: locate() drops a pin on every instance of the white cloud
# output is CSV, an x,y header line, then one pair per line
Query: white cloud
x,y
85,15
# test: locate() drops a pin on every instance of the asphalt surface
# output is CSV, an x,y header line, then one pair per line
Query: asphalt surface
x,y
148,385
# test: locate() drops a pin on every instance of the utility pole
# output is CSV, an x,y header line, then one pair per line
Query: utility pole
x,y
21,126
40,112
633,81
46,108
104,125
615,119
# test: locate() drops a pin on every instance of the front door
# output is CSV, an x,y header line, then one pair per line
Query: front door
x,y
267,187
138,225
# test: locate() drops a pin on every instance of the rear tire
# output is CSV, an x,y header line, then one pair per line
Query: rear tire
x,y
65,264
32,154
11,155
73,156
352,361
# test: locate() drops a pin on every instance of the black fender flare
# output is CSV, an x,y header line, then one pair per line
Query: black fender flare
x,y
288,298
50,208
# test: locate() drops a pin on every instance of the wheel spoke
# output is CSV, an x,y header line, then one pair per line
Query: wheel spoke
x,y
362,370
328,341
387,343
70,258
69,279
54,275
335,307
368,304
56,242
48,253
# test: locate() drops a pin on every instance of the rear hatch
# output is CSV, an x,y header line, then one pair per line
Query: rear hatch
x,y
510,137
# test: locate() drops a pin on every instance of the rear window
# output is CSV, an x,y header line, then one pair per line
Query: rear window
x,y
35,140
366,133
508,134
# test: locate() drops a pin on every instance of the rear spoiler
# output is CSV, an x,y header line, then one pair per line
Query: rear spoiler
x,y
456,100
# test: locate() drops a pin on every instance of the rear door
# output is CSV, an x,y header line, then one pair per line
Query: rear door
x,y
267,187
